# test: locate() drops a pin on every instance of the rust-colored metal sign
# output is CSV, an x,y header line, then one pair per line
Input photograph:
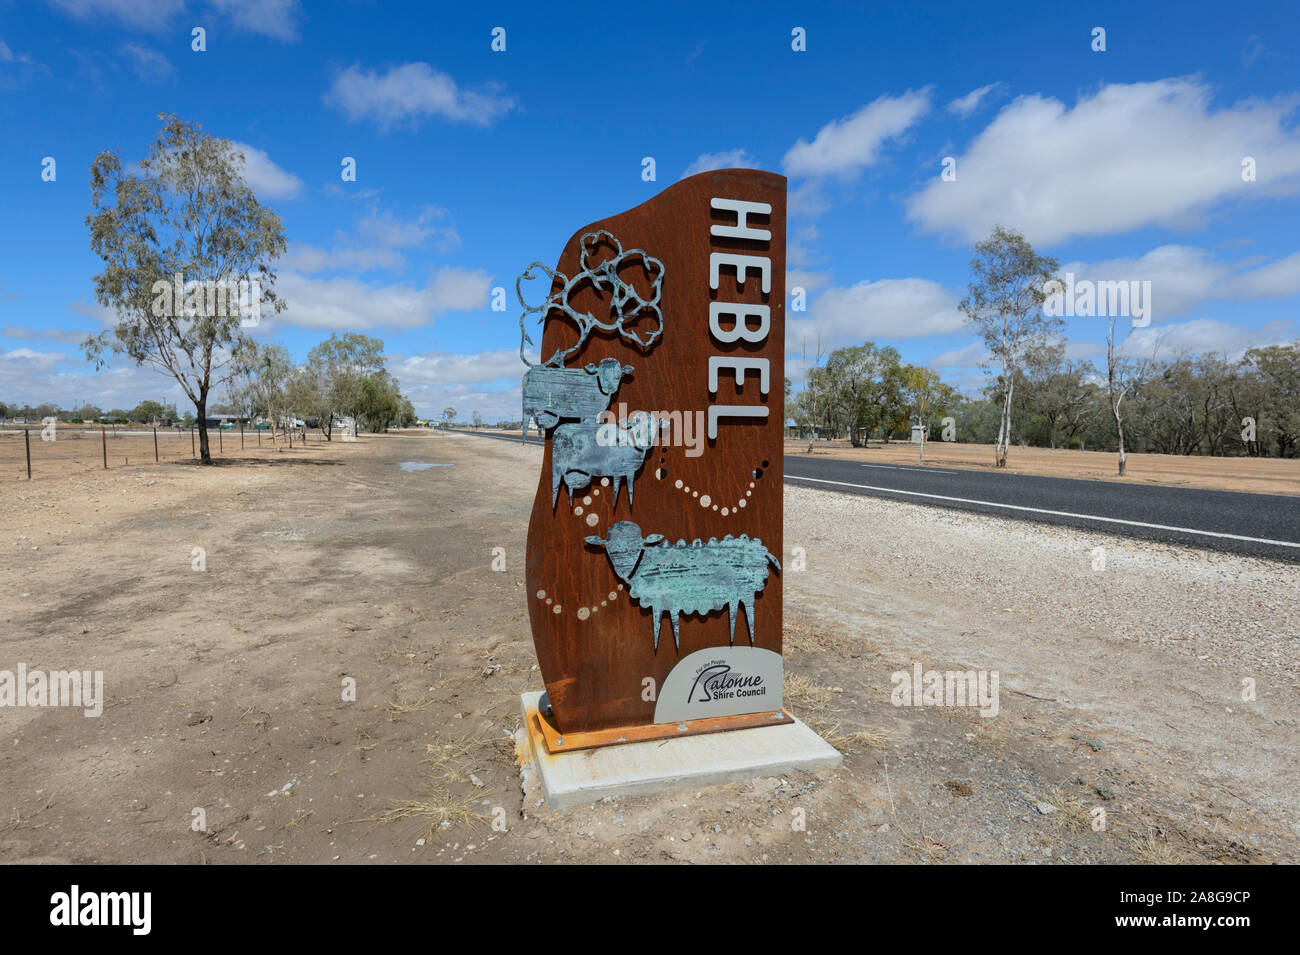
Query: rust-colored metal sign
x,y
656,529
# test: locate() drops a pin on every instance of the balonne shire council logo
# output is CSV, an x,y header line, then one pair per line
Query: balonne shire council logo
x,y
715,681
721,681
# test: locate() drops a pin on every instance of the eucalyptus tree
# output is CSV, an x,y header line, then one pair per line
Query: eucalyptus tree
x,y
181,234
273,372
1004,303
1277,368
343,363
1125,376
926,396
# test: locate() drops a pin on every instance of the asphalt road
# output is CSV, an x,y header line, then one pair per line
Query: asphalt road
x,y
1262,525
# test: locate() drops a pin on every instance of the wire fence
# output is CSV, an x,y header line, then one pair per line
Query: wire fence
x,y
34,452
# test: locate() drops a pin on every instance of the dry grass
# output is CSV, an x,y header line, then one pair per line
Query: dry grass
x,y
832,734
805,695
438,810
930,850
1148,849
812,702
1070,812
398,708
987,734
298,819
19,820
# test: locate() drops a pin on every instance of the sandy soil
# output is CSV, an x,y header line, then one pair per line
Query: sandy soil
x,y
327,564
1256,475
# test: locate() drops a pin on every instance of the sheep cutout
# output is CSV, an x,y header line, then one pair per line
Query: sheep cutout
x,y
688,578
587,450
552,395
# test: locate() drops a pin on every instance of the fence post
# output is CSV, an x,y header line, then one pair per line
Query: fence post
x,y
155,445
241,435
27,438
103,438
221,443
192,454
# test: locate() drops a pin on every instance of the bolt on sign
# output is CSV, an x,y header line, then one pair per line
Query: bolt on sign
x,y
654,545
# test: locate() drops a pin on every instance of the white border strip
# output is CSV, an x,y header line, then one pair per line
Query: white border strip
x,y
1040,510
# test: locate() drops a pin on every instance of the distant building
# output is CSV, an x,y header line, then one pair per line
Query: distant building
x,y
224,420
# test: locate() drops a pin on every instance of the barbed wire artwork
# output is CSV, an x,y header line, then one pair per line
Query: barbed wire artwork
x,y
626,304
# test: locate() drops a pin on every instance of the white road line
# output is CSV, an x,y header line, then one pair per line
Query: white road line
x,y
1041,510
909,467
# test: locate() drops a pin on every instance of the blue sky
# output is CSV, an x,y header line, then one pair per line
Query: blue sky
x,y
1124,164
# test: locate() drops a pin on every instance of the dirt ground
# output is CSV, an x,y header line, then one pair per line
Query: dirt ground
x,y
326,567
1256,475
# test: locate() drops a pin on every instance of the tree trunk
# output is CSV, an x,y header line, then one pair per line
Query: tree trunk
x,y
201,406
1004,427
1119,428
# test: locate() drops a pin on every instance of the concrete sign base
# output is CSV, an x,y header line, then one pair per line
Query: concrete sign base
x,y
575,779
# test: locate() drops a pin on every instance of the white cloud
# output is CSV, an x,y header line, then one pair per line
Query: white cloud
x,y
1182,277
66,336
968,356
390,232
975,355
1123,158
446,368
1075,350
884,309
437,380
963,106
7,55
148,64
386,235
414,91
29,377
311,258
806,202
806,280
429,400
846,146
1206,335
798,252
34,361
1276,280
344,304
264,177
273,18
1185,277
92,309
735,159
152,15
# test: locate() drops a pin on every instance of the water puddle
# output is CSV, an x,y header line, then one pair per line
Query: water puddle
x,y
419,465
